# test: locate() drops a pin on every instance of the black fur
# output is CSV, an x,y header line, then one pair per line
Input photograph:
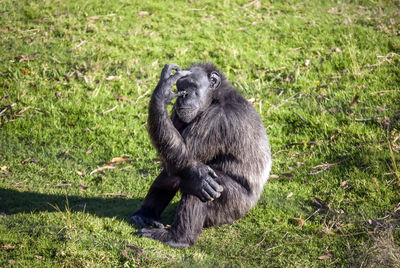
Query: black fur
x,y
223,145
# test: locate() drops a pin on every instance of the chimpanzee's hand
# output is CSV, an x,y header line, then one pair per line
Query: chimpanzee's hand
x,y
199,180
167,80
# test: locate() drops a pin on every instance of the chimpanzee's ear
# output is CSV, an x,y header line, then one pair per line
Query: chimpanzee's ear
x,y
215,80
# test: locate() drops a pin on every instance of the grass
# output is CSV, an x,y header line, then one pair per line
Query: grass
x,y
74,88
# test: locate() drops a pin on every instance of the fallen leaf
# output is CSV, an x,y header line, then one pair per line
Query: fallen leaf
x,y
298,164
119,159
333,10
340,211
4,168
81,173
7,247
289,195
89,151
68,78
22,58
321,204
83,187
38,257
112,77
25,71
277,220
29,160
121,97
12,261
273,176
125,254
94,17
343,184
138,250
101,169
299,220
143,13
354,100
287,175
336,49
252,100
379,108
19,185
307,63
324,257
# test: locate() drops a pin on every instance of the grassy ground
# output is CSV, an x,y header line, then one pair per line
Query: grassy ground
x,y
75,81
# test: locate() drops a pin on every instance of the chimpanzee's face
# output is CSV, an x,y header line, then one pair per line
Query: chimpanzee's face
x,y
198,95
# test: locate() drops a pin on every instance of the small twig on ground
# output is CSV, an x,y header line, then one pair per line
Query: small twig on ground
x,y
141,96
2,123
110,110
263,238
363,119
24,110
198,9
101,169
322,168
80,44
302,119
302,143
8,107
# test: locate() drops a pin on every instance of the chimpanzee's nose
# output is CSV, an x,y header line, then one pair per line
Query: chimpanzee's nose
x,y
182,94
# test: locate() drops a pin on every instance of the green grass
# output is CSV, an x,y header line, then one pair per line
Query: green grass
x,y
325,77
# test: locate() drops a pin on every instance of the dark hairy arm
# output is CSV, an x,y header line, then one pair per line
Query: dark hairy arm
x,y
165,137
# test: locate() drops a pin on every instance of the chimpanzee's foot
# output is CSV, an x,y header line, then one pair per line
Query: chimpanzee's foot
x,y
142,221
163,235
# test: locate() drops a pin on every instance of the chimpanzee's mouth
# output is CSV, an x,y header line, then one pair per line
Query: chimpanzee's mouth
x,y
184,108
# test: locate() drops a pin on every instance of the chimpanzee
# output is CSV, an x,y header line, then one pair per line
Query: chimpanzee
x,y
214,149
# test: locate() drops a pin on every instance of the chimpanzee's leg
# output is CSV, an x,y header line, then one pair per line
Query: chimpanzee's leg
x,y
160,194
193,214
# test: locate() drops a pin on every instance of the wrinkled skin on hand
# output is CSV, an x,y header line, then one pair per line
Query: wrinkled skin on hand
x,y
199,180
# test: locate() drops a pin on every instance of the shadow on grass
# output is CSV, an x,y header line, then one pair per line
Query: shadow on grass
x,y
13,202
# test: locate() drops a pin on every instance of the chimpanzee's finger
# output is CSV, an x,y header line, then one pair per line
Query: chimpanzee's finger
x,y
211,192
167,70
145,232
212,173
173,66
177,75
172,95
205,195
216,186
153,223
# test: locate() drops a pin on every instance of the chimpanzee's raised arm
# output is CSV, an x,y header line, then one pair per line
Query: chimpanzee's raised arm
x,y
166,139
